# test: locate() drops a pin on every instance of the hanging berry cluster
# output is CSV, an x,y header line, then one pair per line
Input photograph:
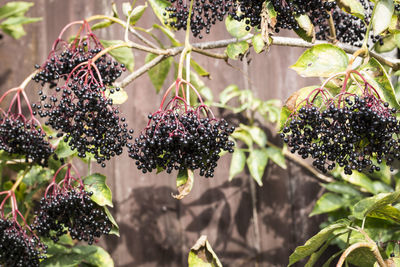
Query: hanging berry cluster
x,y
353,131
19,246
66,207
77,106
179,136
23,135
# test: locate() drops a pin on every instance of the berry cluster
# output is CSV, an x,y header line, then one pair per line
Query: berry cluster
x,y
349,29
80,110
21,135
70,209
350,132
18,247
67,57
180,137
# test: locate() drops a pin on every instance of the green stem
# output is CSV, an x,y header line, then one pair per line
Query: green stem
x,y
19,180
188,47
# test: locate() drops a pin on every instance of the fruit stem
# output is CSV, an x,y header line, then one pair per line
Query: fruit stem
x,y
67,26
188,47
19,180
332,28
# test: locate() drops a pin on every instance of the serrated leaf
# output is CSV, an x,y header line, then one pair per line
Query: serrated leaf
x,y
96,183
243,136
95,256
126,8
137,13
389,43
256,133
202,254
306,28
258,43
15,31
184,183
377,76
361,180
328,202
228,93
321,60
64,260
386,213
102,24
159,7
18,21
353,7
123,55
169,34
342,188
315,242
236,49
382,16
118,97
63,150
276,155
368,205
256,162
158,73
237,163
236,28
115,228
14,8
199,69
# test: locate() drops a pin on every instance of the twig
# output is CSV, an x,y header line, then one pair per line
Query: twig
x,y
303,164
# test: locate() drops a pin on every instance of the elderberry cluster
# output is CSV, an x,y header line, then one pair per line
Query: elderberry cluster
x,y
88,119
63,61
288,10
181,141
17,247
349,136
18,136
349,29
74,212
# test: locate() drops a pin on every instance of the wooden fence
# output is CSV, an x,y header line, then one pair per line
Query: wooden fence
x,y
156,229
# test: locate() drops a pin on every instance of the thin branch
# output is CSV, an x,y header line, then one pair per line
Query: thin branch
x,y
303,164
276,40
142,70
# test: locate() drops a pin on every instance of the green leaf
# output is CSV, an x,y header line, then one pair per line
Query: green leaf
x,y
184,183
96,183
382,16
126,8
236,49
202,254
37,175
243,136
284,116
95,256
377,76
102,24
386,213
228,93
328,202
306,28
361,180
368,205
256,162
315,242
237,163
256,133
63,150
236,28
123,55
353,7
199,69
389,43
63,260
169,34
18,21
342,188
362,257
14,8
115,228
276,155
15,31
321,60
258,43
158,73
118,97
137,13
159,7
